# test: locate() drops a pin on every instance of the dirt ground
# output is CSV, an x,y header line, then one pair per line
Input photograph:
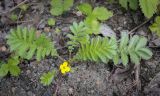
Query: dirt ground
x,y
87,79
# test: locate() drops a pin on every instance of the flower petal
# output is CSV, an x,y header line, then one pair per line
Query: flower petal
x,y
61,66
65,63
67,69
63,71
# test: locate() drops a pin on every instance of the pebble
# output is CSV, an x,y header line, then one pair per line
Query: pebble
x,y
157,42
28,71
29,93
106,30
70,91
47,29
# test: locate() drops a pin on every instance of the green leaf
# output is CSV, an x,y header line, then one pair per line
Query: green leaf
x,y
24,7
148,7
3,70
46,78
133,4
11,66
14,17
14,70
102,13
142,43
56,7
155,26
85,8
13,61
135,48
134,58
56,11
78,35
124,39
93,26
116,59
26,44
51,21
97,50
60,6
124,3
67,4
134,40
124,58
145,53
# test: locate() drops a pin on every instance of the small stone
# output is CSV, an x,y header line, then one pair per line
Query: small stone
x,y
3,48
38,33
28,72
79,13
65,29
157,42
46,29
13,89
78,79
105,30
70,91
30,93
119,28
92,91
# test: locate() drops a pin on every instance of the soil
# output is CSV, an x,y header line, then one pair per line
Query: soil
x,y
86,78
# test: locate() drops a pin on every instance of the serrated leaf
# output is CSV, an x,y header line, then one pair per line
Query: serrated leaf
x,y
67,4
124,58
13,61
155,26
142,43
134,40
145,53
51,21
102,13
124,39
60,6
46,78
116,59
14,70
11,66
31,52
78,36
133,4
124,3
148,7
3,70
93,26
134,58
97,50
56,11
85,8
27,45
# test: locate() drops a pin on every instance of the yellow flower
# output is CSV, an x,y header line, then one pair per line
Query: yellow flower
x,y
64,67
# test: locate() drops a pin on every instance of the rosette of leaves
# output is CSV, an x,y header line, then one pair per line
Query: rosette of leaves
x,y
78,35
94,16
99,49
133,48
60,6
25,43
47,78
155,27
10,67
